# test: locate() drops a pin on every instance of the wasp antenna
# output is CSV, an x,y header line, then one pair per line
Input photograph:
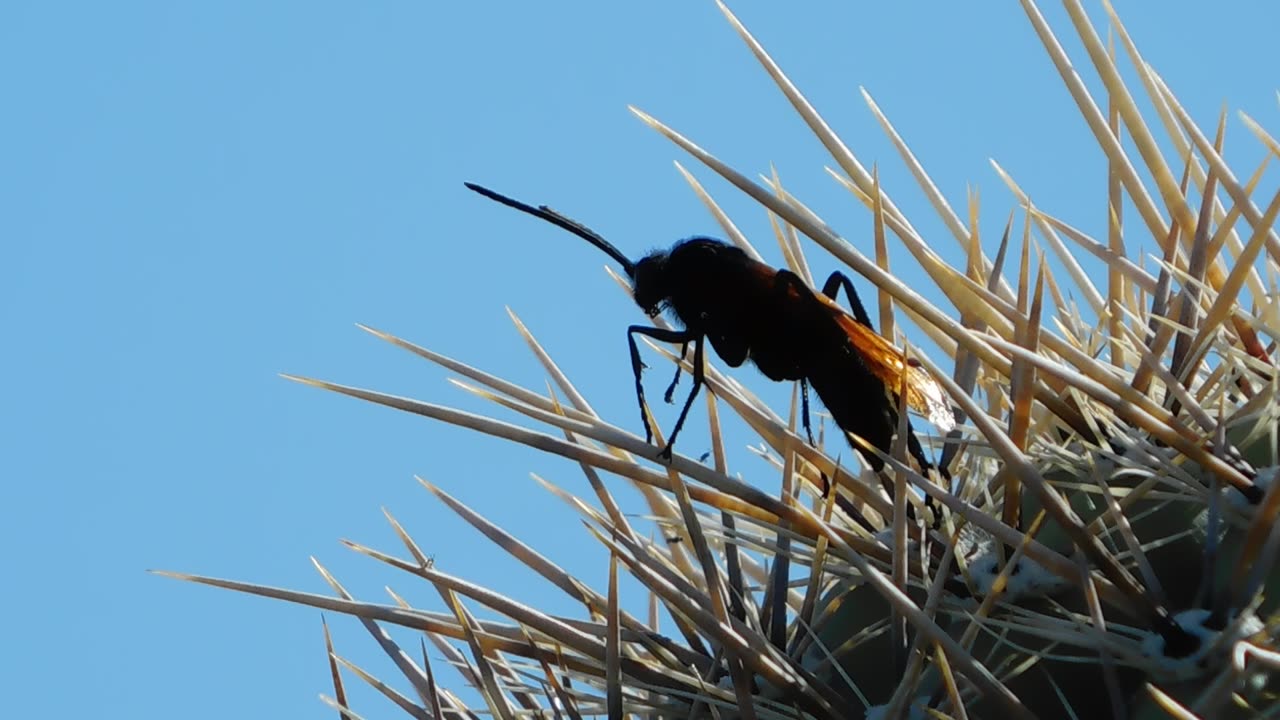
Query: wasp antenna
x,y
555,218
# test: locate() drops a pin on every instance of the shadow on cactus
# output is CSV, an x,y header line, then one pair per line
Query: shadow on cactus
x,y
1105,546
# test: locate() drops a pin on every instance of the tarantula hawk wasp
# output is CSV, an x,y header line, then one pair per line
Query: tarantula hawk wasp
x,y
748,310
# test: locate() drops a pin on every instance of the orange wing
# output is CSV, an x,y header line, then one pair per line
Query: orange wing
x,y
889,363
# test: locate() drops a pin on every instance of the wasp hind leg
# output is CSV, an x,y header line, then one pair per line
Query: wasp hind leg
x,y
832,287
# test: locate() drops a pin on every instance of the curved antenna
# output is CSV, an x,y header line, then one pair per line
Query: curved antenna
x,y
555,218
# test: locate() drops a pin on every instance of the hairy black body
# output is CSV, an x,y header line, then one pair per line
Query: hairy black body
x,y
751,311
748,310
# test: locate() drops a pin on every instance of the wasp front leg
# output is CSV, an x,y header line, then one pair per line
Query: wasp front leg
x,y
672,336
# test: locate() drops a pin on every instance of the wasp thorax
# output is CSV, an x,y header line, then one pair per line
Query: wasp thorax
x,y
650,283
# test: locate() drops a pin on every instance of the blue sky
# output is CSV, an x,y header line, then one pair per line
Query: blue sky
x,y
198,196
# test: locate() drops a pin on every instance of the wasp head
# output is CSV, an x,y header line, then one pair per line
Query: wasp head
x,y
650,283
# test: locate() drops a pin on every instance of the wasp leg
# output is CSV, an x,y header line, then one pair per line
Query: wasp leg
x,y
804,410
786,280
832,288
671,336
671,389
693,392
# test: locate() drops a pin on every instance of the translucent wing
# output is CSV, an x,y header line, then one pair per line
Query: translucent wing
x,y
888,363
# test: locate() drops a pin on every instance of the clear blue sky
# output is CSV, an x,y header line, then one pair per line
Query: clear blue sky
x,y
197,196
